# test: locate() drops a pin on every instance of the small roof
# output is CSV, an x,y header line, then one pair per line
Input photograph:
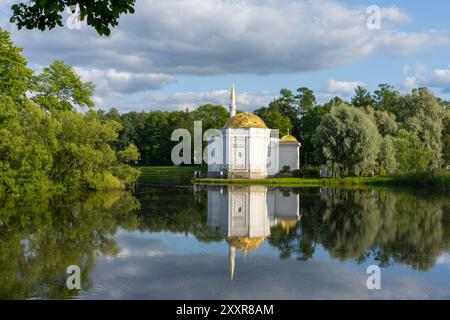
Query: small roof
x,y
288,138
245,243
245,120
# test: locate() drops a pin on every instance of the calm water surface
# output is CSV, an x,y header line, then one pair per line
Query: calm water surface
x,y
185,242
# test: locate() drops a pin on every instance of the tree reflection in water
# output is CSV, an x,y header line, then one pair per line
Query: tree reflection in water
x,y
391,227
41,235
38,242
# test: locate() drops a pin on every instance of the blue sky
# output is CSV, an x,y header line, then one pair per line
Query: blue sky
x,y
173,54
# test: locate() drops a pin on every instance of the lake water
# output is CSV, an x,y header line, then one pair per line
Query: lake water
x,y
177,241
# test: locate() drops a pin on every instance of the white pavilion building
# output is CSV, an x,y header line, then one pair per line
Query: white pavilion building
x,y
245,214
248,150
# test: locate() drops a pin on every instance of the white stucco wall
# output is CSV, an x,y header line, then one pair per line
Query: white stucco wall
x,y
289,156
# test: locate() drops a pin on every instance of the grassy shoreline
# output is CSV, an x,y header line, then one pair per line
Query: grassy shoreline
x,y
437,180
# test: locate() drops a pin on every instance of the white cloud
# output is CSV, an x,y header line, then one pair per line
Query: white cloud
x,y
409,43
395,15
182,100
113,82
218,37
422,76
441,78
166,38
406,69
410,83
342,88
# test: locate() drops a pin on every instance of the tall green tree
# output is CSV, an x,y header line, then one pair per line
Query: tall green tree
x,y
156,146
362,98
410,153
387,162
59,87
63,148
305,99
386,98
274,119
14,73
347,141
422,115
212,116
446,137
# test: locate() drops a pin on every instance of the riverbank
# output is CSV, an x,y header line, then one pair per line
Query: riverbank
x,y
171,169
435,180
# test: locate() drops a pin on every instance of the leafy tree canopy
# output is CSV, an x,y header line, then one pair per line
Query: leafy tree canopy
x,y
58,87
47,14
14,74
347,140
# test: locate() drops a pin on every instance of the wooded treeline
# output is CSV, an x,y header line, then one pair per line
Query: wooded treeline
x,y
45,143
383,131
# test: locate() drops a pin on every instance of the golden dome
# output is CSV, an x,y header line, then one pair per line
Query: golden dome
x,y
288,224
245,120
245,243
288,138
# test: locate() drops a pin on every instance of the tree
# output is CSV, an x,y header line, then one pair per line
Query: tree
x,y
385,121
446,138
59,87
47,14
288,105
129,155
63,148
308,125
305,99
386,157
422,115
27,141
14,74
347,141
212,116
410,153
386,98
274,119
156,145
362,98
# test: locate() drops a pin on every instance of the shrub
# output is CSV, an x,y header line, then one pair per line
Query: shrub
x,y
307,172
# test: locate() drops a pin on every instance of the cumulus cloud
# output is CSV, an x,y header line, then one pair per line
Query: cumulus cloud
x,y
393,15
423,76
166,38
342,88
406,43
111,81
183,100
217,37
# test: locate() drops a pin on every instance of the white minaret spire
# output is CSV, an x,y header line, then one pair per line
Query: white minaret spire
x,y
232,102
231,255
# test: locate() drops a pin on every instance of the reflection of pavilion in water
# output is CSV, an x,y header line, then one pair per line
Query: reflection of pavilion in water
x,y
245,214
